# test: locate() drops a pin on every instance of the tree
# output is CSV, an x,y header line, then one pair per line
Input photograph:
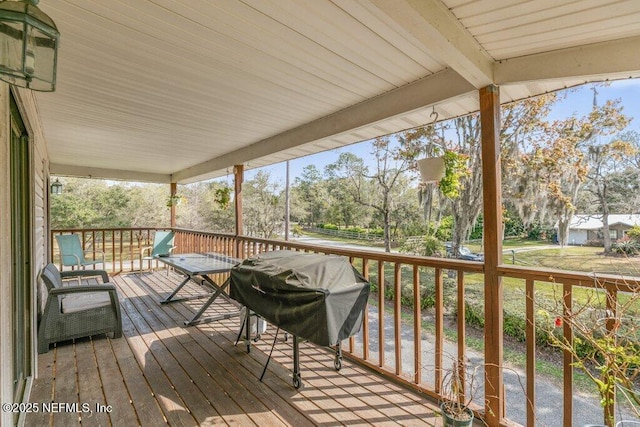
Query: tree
x,y
146,208
380,189
87,203
522,131
195,200
575,140
263,206
606,163
309,196
459,141
217,215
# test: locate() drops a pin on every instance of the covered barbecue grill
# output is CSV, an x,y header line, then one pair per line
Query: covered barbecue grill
x,y
314,297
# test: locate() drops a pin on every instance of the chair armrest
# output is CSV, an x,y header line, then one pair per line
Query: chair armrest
x,y
143,249
85,273
107,287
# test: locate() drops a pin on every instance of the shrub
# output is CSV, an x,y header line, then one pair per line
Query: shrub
x,y
625,246
425,246
634,233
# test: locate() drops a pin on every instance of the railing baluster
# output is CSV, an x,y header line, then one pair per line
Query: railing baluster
x,y
365,317
462,333
397,311
380,313
611,325
417,326
439,323
567,363
530,335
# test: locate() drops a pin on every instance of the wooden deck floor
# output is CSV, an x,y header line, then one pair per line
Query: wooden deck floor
x,y
163,373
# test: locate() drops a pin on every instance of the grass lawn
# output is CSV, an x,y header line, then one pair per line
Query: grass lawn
x,y
578,258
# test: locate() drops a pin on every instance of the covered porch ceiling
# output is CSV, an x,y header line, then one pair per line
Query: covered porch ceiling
x,y
179,91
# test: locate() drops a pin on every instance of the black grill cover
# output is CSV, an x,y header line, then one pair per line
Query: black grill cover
x,y
319,298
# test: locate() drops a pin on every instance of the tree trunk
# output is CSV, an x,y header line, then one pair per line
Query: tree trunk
x,y
387,230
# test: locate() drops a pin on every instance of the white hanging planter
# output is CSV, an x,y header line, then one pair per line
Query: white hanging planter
x,y
431,169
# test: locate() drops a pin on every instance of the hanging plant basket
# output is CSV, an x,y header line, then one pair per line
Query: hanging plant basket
x,y
174,200
223,197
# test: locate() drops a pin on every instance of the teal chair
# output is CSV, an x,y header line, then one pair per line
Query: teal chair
x,y
162,246
73,255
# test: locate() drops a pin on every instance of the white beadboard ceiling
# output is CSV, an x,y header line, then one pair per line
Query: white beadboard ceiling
x,y
176,90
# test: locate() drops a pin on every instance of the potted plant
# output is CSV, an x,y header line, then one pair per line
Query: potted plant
x,y
223,197
455,407
174,200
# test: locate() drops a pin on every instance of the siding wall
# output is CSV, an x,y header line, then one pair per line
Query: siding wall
x,y
39,245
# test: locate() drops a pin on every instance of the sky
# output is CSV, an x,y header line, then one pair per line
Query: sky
x,y
577,103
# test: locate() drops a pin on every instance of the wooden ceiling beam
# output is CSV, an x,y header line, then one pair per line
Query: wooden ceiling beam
x,y
101,173
443,37
605,60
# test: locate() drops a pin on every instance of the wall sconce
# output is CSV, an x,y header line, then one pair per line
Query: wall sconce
x,y
56,187
28,46
431,169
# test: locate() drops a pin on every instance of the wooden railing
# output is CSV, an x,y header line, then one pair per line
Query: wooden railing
x,y
409,362
121,246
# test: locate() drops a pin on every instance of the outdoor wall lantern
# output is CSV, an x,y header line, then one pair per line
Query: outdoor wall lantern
x,y
431,169
56,187
28,46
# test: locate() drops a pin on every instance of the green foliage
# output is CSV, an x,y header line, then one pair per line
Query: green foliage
x,y
445,230
455,170
539,231
296,230
474,314
90,203
425,246
328,226
634,233
174,200
223,197
626,246
513,225
478,229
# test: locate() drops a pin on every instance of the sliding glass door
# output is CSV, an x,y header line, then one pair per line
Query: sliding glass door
x,y
21,252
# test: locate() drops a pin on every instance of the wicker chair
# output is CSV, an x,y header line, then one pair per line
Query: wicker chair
x,y
77,311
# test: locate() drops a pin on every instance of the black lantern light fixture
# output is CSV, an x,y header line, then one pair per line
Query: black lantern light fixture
x,y
56,187
28,46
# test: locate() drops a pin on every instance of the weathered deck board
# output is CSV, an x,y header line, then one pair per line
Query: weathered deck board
x,y
66,390
163,373
90,379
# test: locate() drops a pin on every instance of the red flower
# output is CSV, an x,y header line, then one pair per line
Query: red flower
x,y
558,322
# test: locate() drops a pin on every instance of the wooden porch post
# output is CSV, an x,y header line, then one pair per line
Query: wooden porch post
x,y
173,190
238,171
492,218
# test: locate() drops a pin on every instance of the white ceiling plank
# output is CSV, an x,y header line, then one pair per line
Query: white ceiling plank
x,y
540,12
430,90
